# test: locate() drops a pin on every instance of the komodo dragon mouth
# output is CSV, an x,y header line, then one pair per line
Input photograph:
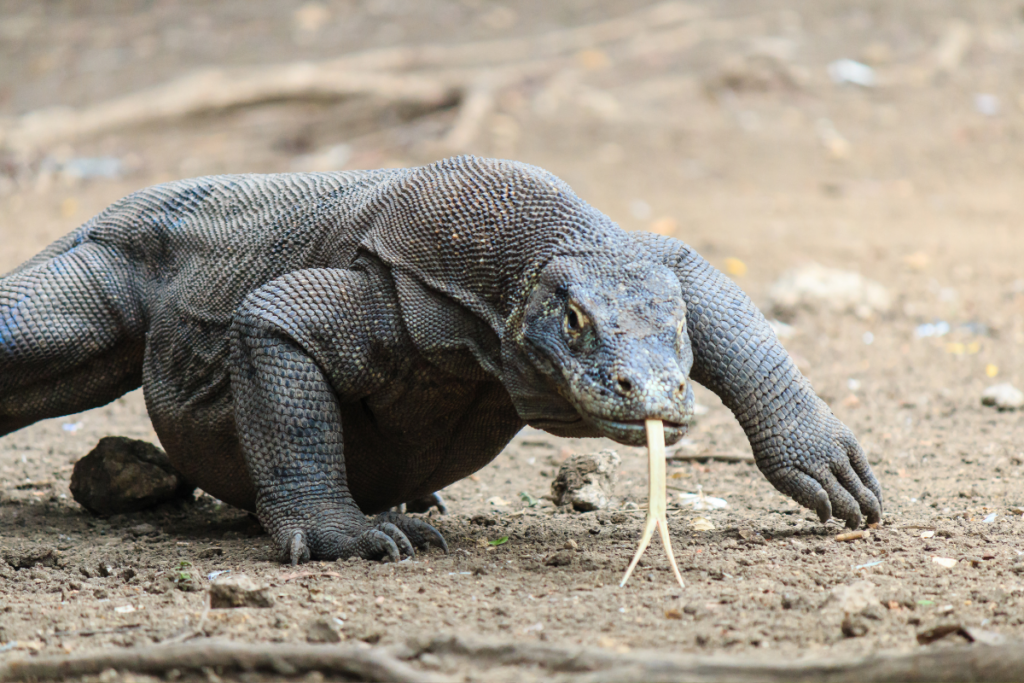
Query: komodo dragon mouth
x,y
638,425
633,432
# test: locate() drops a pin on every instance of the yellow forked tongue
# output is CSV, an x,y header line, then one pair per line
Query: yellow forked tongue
x,y
656,504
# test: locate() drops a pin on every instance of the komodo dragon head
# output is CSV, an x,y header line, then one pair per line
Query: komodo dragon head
x,y
602,346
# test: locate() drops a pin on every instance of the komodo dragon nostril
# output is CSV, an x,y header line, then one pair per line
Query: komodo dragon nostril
x,y
623,385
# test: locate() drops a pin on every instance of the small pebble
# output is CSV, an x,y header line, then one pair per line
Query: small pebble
x,y
1003,396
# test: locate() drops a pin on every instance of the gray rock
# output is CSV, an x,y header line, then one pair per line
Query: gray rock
x,y
586,481
125,475
1003,396
238,590
324,631
816,287
561,558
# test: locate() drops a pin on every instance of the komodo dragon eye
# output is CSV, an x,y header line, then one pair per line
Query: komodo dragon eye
x,y
575,320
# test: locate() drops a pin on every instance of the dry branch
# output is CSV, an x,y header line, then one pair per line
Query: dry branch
x,y
590,665
213,90
355,662
429,75
1002,662
476,105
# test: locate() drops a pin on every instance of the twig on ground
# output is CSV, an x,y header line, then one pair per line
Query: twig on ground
x,y
308,575
719,457
97,631
352,661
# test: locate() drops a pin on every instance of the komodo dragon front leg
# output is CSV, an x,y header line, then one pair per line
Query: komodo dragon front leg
x,y
799,445
301,344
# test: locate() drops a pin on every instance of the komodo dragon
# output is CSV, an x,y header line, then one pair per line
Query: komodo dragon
x,y
319,347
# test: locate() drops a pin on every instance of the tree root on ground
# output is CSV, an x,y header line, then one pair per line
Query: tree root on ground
x,y
1004,662
352,661
977,662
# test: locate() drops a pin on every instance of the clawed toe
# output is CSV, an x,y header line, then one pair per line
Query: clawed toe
x,y
390,536
296,549
376,544
400,539
421,534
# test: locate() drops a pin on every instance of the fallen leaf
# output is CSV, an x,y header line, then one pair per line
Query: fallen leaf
x,y
733,266
499,541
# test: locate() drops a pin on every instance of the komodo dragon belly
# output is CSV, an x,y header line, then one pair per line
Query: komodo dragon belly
x,y
421,434
418,434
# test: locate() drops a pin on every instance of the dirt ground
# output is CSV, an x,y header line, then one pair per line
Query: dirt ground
x,y
737,142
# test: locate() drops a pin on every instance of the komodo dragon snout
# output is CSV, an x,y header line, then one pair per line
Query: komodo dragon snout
x,y
610,338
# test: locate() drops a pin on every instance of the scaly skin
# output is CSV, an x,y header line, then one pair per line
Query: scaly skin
x,y
319,347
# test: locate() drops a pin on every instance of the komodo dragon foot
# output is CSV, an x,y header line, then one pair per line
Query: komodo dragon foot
x,y
390,535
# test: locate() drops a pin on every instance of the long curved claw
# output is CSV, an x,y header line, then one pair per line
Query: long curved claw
x,y
824,506
400,539
438,502
297,549
657,505
376,544
420,533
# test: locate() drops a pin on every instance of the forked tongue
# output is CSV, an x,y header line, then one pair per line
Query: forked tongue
x,y
657,506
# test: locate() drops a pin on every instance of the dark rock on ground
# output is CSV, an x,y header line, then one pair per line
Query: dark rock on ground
x,y
31,556
126,475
